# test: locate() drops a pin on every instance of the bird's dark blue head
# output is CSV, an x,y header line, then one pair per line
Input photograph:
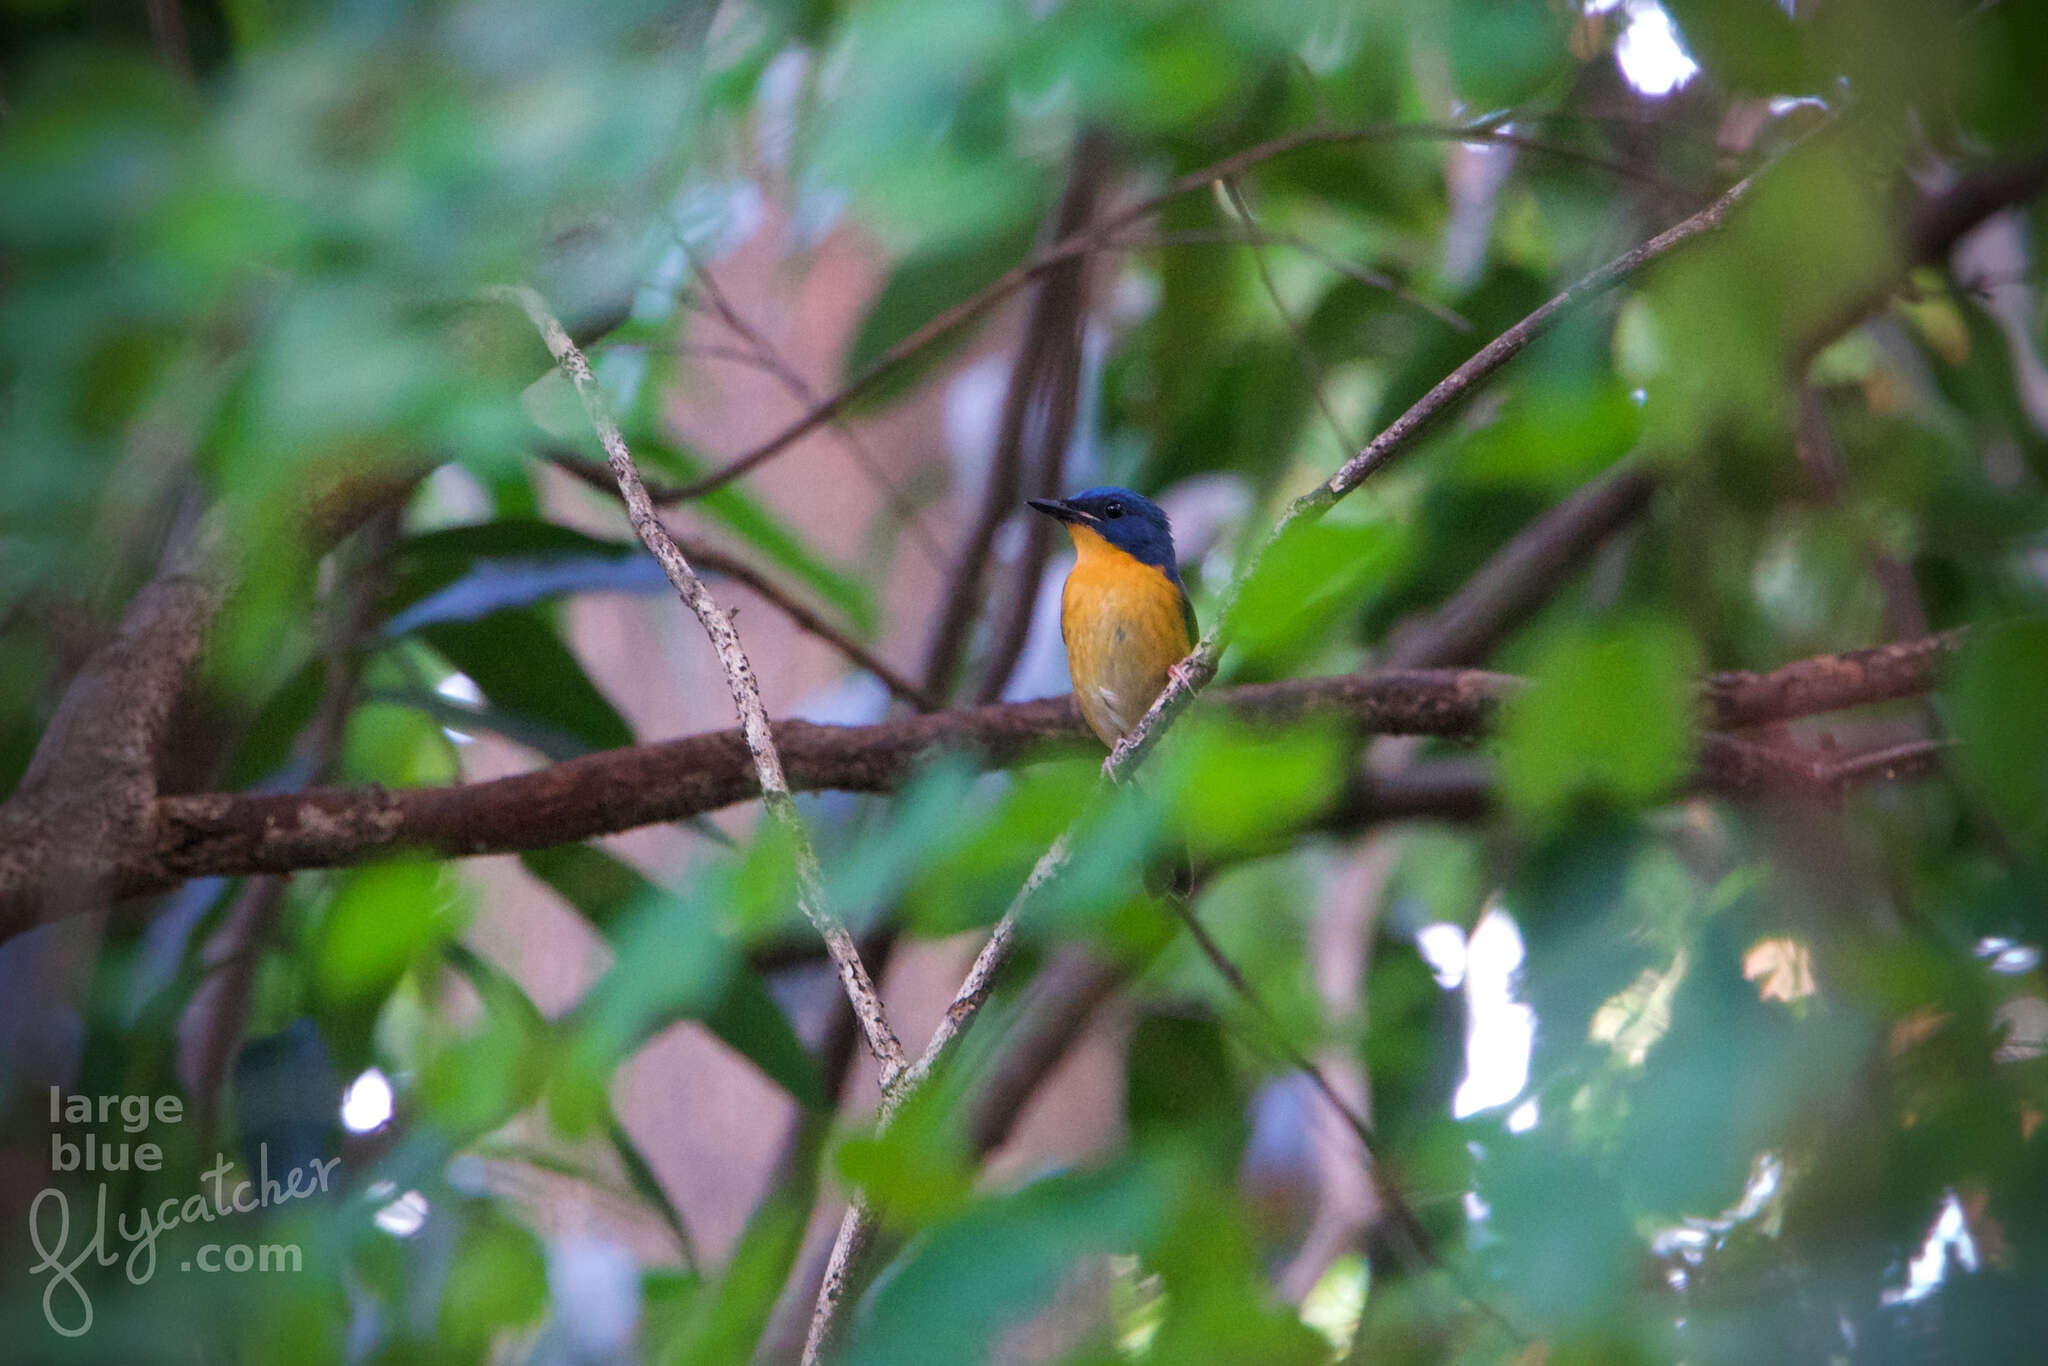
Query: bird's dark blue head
x,y
1129,521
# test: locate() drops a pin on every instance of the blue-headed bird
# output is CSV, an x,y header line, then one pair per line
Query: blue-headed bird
x,y
1124,614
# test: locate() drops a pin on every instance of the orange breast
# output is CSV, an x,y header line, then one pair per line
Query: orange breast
x,y
1124,627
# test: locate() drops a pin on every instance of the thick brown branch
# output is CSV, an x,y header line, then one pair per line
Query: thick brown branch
x,y
1905,668
668,780
224,834
90,785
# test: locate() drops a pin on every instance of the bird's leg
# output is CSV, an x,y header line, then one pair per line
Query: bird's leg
x,y
1180,674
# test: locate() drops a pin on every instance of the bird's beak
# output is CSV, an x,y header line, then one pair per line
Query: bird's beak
x,y
1060,511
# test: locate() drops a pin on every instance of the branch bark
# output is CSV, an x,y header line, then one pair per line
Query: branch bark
x,y
234,834
1044,383
92,781
739,678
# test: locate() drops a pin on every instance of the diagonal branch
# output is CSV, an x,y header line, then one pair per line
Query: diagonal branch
x,y
1311,369
1447,394
801,615
739,677
1521,575
1093,238
762,353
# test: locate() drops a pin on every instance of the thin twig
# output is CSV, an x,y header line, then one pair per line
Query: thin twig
x,y
764,354
1364,275
1312,370
739,677
1091,239
803,616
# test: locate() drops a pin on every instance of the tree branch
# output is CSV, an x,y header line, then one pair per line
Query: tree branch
x,y
1044,383
1521,575
801,614
739,677
90,784
235,834
1092,239
763,353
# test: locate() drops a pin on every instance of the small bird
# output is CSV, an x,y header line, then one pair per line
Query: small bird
x,y
1124,614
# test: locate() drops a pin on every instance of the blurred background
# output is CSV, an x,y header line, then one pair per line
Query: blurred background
x,y
1667,1066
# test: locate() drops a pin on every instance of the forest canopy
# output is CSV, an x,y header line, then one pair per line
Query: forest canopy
x,y
537,742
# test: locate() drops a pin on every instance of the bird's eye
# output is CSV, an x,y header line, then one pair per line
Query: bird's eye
x,y
1112,509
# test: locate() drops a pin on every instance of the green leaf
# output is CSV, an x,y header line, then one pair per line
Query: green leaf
x,y
1608,714
1180,1086
379,921
396,746
1998,700
1751,46
674,960
597,884
997,1264
497,1279
1307,577
1235,786
650,1189
1554,435
475,1083
1504,51
519,661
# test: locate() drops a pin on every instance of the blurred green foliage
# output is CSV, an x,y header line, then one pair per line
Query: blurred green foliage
x,y
1771,1049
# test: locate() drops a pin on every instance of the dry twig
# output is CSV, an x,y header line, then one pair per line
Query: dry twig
x,y
739,677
